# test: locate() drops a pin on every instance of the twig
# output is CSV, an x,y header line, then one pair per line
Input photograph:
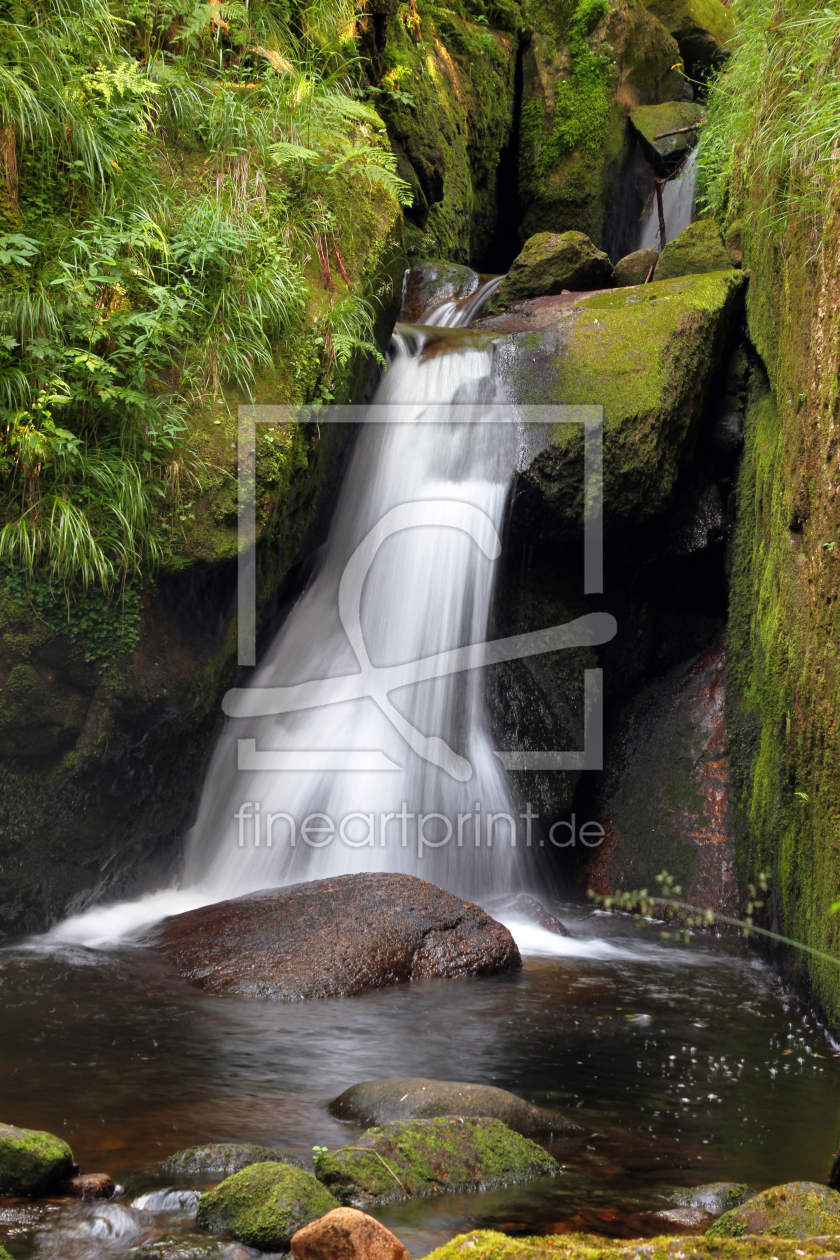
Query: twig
x,y
680,131
366,1150
650,272
661,214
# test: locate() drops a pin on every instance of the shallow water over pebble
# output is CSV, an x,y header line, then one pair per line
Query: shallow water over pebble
x,y
687,1063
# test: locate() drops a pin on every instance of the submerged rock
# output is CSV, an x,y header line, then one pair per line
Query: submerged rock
x,y
663,127
413,1098
347,1234
415,1157
697,249
701,28
550,263
799,1209
687,1218
635,268
524,906
264,1205
671,737
32,1162
331,937
717,1197
433,283
225,1158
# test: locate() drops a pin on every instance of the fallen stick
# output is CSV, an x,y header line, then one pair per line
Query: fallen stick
x,y
680,131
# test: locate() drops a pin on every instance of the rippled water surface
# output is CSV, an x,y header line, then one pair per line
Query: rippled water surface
x,y
687,1063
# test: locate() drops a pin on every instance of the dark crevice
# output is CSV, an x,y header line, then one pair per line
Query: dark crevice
x,y
504,243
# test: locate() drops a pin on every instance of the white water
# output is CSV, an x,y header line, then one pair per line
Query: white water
x,y
678,197
428,590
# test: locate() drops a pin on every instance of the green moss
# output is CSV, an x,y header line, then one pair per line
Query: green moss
x,y
417,1157
652,121
264,1205
488,1245
31,1162
799,1209
550,263
700,27
697,249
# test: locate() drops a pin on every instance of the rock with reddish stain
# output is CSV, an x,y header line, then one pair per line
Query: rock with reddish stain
x,y
347,1234
664,798
90,1186
332,937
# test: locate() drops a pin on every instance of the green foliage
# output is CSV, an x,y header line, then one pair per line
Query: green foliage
x,y
774,114
103,628
167,173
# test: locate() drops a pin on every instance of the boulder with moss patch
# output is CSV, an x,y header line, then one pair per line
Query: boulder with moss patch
x,y
549,263
664,128
32,1162
224,1157
698,249
264,1205
702,29
415,1098
717,1197
799,1209
485,1244
429,284
635,268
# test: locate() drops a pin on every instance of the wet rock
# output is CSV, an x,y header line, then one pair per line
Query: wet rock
x,y
415,1157
717,1197
225,1158
799,1209
635,268
32,1162
648,356
190,1247
663,128
90,1186
524,906
413,1098
697,249
550,263
690,1219
332,937
264,1205
671,737
737,374
347,1234
726,432
433,283
701,28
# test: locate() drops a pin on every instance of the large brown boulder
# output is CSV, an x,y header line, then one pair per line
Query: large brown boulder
x,y
550,263
347,1234
413,1098
332,937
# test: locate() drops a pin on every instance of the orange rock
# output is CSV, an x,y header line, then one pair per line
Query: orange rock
x,y
90,1186
345,1234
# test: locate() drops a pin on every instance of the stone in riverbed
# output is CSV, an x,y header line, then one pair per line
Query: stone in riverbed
x,y
489,1245
799,1209
432,283
415,1157
332,937
687,1218
264,1205
347,1234
717,1197
226,1158
635,268
32,1162
414,1098
90,1186
548,264
697,249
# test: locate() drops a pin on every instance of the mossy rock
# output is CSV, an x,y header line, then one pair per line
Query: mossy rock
x,y
264,1205
548,264
652,121
485,1244
696,250
701,28
799,1209
431,283
226,1158
647,355
717,1197
415,1157
635,268
733,243
31,1162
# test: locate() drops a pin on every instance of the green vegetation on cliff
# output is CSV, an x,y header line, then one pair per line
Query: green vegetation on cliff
x,y
191,199
768,165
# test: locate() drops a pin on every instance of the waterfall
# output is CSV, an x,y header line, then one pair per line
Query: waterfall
x,y
677,205
428,590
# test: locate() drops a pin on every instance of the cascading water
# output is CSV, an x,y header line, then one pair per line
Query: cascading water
x,y
428,590
677,205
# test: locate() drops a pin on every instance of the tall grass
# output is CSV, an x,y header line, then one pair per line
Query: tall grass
x,y
774,114
167,170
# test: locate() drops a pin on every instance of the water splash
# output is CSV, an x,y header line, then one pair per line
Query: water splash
x,y
678,198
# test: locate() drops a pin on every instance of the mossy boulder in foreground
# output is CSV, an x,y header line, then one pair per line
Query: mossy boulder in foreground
x,y
799,1209
224,1157
485,1244
551,262
32,1162
397,1161
696,250
265,1204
